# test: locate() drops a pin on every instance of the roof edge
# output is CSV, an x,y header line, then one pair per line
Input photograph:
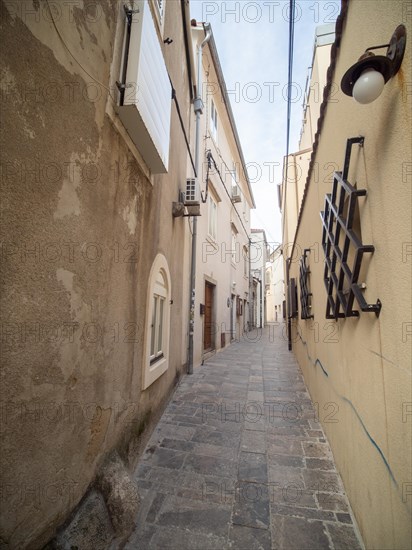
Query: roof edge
x,y
323,108
222,83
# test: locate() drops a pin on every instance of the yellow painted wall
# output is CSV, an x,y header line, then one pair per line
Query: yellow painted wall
x,y
367,359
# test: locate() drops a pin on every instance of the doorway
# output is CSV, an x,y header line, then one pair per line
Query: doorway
x,y
208,333
233,317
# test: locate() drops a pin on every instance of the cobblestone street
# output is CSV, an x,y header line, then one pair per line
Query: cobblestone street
x,y
239,461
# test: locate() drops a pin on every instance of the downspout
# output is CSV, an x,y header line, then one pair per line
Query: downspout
x,y
288,260
250,326
188,45
198,106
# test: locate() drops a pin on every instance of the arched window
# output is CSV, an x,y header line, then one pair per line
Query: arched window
x,y
157,327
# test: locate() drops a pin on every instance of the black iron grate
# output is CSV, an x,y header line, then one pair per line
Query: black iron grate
x,y
292,298
305,295
343,248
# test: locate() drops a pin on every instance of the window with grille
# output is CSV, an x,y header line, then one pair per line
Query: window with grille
x,y
305,294
343,247
292,298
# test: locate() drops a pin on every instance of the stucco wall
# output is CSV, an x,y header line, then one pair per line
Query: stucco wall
x,y
358,370
81,226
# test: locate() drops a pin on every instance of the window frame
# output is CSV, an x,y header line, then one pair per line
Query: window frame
x,y
157,332
245,261
156,349
234,247
212,218
213,120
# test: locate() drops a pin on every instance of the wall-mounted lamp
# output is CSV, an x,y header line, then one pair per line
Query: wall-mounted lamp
x,y
366,79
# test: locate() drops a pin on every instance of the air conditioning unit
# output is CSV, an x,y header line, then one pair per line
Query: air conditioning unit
x,y
192,194
236,194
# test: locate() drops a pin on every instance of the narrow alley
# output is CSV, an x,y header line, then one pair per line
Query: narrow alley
x,y
238,460
206,253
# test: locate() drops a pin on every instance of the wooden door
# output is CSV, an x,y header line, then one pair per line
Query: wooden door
x,y
208,341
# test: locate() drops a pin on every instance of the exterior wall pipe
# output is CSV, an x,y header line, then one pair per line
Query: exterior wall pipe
x,y
288,260
198,106
251,301
188,32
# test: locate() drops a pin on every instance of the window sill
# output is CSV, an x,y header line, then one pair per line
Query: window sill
x,y
154,370
156,359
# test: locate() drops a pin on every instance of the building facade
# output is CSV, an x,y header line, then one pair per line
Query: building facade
x,y
348,277
222,299
94,309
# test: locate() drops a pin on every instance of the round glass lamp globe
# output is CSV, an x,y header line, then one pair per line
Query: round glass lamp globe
x,y
368,87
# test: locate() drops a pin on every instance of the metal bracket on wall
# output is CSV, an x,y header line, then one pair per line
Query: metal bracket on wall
x,y
305,295
342,247
129,13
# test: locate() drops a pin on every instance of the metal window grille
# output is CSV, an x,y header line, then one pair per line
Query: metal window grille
x,y
292,298
305,295
341,274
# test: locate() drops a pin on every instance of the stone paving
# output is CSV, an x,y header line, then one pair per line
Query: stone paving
x,y
238,460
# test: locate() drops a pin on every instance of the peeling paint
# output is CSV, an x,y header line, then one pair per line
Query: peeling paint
x,y
78,308
129,216
69,204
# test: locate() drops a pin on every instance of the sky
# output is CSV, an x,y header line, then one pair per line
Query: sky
x,y
252,43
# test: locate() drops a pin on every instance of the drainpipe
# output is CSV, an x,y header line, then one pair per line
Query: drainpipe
x,y
288,261
250,288
188,28
198,106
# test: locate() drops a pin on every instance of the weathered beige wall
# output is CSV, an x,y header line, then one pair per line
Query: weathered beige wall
x,y
365,397
81,226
